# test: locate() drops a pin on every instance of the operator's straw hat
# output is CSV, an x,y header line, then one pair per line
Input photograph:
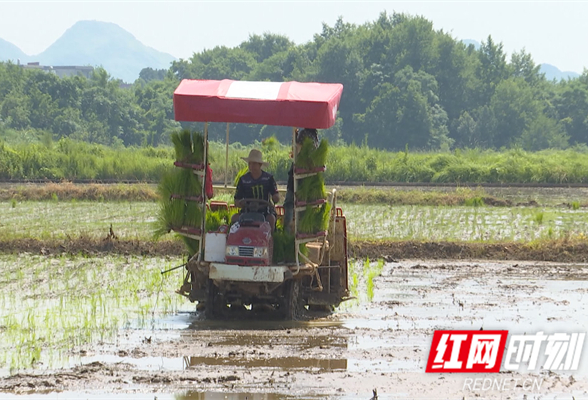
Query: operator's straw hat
x,y
255,156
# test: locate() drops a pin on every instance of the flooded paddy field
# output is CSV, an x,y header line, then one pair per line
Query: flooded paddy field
x,y
140,340
95,325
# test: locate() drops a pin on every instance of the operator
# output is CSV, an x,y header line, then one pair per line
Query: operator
x,y
301,135
257,184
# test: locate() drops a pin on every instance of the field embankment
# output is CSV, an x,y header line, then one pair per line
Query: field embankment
x,y
572,250
68,191
388,223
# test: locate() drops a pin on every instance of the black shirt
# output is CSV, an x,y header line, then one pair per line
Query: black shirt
x,y
261,188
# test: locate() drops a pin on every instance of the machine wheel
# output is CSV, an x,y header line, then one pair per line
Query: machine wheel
x,y
321,308
292,302
214,302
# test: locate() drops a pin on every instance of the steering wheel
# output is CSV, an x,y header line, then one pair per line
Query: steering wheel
x,y
254,204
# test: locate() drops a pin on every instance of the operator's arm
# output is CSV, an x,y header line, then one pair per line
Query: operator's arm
x,y
239,195
276,198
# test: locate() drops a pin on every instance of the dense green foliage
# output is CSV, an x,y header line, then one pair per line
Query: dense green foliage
x,y
405,84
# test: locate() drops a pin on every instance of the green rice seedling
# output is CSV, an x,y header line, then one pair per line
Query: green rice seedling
x,y
197,148
191,244
54,197
474,202
284,247
188,146
171,211
310,157
192,214
354,285
13,203
308,222
178,212
538,217
372,272
241,172
182,142
575,205
311,188
214,219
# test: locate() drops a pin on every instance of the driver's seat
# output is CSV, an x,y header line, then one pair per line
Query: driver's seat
x,y
251,219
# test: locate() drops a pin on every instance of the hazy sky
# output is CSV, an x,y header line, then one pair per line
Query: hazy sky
x,y
553,32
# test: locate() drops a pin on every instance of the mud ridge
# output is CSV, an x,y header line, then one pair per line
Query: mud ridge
x,y
390,251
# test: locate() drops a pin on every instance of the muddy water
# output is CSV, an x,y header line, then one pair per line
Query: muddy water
x,y
382,344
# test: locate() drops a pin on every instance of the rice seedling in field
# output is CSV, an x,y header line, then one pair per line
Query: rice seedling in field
x,y
63,302
462,223
361,280
63,220
371,272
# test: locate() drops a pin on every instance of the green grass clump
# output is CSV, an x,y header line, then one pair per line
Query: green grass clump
x,y
311,188
284,247
181,212
175,213
315,219
215,219
310,157
474,202
188,146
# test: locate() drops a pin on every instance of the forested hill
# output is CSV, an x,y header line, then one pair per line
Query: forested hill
x,y
406,85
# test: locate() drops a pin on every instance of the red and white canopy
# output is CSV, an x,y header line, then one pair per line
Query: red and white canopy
x,y
297,104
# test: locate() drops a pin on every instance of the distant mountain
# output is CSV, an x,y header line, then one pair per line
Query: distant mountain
x,y
95,44
552,73
104,44
8,51
475,43
549,70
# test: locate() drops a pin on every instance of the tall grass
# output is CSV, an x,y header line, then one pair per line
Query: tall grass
x,y
69,159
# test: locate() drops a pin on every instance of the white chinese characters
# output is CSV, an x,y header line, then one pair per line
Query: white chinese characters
x,y
561,351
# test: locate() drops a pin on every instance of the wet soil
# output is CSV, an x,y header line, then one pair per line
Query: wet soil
x,y
381,344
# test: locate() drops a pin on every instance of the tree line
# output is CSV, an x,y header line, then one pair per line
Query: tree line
x,y
406,85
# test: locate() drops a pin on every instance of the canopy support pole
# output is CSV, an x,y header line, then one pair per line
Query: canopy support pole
x,y
227,157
